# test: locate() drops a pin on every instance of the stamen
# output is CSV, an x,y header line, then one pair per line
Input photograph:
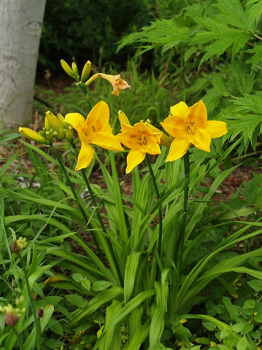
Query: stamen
x,y
191,128
142,139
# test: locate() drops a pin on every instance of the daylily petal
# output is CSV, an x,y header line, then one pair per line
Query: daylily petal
x,y
141,127
126,127
216,128
175,126
201,139
151,146
107,141
86,153
98,118
178,148
77,121
129,139
134,157
158,136
180,110
198,114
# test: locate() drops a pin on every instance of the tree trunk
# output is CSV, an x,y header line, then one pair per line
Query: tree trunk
x,y
20,28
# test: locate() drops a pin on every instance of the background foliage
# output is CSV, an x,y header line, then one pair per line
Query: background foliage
x,y
88,29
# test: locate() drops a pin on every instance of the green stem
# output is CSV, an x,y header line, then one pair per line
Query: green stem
x,y
160,208
37,328
246,155
181,237
78,202
70,183
18,339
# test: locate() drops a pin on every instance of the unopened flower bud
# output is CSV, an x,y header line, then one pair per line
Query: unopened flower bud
x,y
62,120
60,135
40,312
48,125
74,68
86,71
11,319
69,134
56,124
67,68
123,118
76,140
32,135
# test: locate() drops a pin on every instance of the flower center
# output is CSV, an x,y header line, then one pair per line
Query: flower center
x,y
142,139
191,128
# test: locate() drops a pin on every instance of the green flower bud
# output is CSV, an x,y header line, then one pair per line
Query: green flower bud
x,y
69,134
60,135
74,68
76,140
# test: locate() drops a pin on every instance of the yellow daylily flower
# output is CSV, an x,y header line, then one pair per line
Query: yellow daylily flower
x,y
117,82
94,130
190,125
140,139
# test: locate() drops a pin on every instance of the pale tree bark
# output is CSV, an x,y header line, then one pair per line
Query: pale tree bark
x,y
20,31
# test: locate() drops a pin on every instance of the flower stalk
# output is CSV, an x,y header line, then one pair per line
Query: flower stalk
x,y
160,208
181,237
19,340
100,221
77,200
